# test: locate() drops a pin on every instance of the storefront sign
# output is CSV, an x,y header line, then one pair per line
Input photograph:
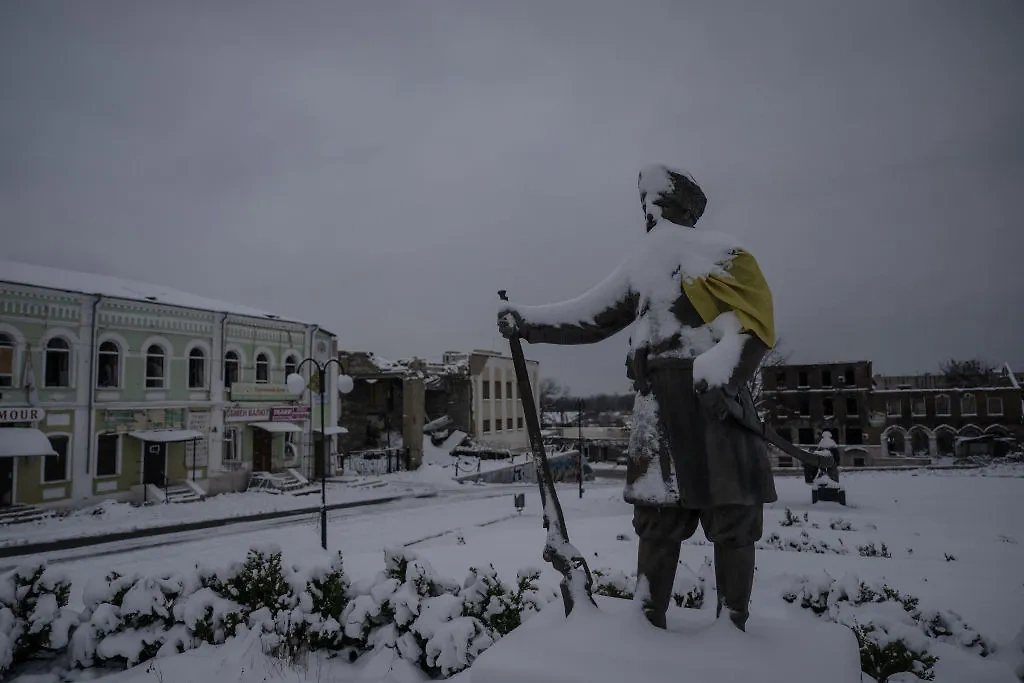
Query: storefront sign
x,y
247,415
241,391
133,420
199,421
21,414
290,414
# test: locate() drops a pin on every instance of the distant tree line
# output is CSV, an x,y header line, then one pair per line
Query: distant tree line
x,y
555,397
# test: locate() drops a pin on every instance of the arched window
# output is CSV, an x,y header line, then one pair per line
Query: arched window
x,y
290,364
262,368
7,347
896,442
196,369
968,405
57,361
155,367
942,406
108,366
231,367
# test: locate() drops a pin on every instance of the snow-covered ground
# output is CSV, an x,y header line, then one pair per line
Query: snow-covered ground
x,y
954,539
112,517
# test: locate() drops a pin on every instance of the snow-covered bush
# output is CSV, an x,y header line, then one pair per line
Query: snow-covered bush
x,y
870,550
498,605
802,544
688,588
882,655
613,584
891,629
35,621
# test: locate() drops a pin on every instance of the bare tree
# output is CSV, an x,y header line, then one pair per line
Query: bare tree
x,y
966,373
775,357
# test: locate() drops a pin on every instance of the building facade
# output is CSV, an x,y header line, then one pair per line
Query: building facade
x,y
135,384
393,400
878,419
498,418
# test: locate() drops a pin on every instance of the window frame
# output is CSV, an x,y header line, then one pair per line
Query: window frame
x,y
10,342
67,351
485,426
237,363
291,360
988,404
262,360
118,355
117,455
204,368
485,389
963,403
898,402
949,405
67,459
913,406
164,363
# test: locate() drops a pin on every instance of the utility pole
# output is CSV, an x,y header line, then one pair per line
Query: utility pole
x,y
579,469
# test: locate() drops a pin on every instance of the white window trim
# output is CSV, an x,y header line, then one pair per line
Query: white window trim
x,y
67,461
949,406
913,407
96,464
988,410
168,349
256,367
234,439
122,353
44,348
291,353
963,410
241,362
16,355
207,362
145,365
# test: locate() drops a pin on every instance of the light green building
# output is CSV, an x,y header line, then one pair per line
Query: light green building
x,y
107,385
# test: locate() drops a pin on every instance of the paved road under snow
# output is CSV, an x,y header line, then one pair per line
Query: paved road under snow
x,y
384,518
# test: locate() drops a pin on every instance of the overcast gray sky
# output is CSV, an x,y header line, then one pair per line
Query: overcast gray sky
x,y
383,168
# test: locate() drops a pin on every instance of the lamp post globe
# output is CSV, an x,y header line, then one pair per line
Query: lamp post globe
x,y
345,384
295,382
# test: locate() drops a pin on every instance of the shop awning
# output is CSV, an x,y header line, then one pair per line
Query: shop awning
x,y
166,435
276,427
18,441
332,430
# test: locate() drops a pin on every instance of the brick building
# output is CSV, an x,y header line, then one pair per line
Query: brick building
x,y
880,419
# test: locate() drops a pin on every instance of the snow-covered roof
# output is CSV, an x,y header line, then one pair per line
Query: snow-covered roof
x,y
115,287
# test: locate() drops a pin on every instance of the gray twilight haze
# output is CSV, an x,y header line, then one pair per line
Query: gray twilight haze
x,y
383,168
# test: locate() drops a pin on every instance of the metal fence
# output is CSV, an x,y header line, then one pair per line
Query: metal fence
x,y
377,461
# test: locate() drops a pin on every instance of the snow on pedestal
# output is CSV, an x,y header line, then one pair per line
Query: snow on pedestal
x,y
616,644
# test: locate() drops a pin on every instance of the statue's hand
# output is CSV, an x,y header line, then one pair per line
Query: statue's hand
x,y
716,401
510,323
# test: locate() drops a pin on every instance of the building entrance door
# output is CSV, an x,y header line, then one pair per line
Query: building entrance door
x,y
154,464
6,482
262,450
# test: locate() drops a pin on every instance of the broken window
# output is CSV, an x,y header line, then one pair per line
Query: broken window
x,y
108,366
196,369
58,363
155,367
6,361
994,405
231,368
262,368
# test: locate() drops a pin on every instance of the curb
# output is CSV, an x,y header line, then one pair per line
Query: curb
x,y
83,541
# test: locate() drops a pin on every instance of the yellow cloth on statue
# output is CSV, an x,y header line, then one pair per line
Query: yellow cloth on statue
x,y
742,289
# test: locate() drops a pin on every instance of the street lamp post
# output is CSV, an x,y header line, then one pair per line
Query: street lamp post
x,y
296,384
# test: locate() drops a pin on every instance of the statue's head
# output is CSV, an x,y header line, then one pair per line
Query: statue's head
x,y
670,195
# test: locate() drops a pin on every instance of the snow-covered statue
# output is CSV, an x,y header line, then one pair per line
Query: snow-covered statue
x,y
702,320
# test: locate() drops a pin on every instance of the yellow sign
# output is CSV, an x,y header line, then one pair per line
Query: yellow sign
x,y
243,391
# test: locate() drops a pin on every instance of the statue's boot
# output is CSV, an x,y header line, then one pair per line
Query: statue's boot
x,y
734,573
656,561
